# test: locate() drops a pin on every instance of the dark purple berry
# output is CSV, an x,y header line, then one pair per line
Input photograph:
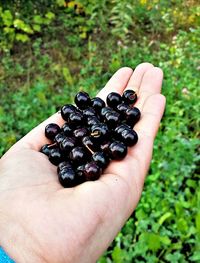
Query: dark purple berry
x,y
104,111
113,99
75,119
67,129
89,144
92,171
122,108
132,116
59,138
80,133
97,104
80,175
45,149
119,129
68,144
92,120
66,110
129,96
89,112
105,147
101,159
99,132
64,164
55,156
82,100
112,119
118,150
79,156
51,130
67,177
129,137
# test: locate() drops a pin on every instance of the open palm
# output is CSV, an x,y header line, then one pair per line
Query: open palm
x,y
42,222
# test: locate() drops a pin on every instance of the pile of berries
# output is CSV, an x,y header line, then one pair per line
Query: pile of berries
x,y
94,134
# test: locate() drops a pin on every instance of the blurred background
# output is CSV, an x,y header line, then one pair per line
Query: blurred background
x,y
51,49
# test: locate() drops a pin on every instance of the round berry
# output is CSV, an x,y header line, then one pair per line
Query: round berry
x,y
59,138
68,144
105,147
63,165
104,111
122,108
89,144
112,119
92,120
80,133
82,100
113,99
119,129
99,132
75,119
66,110
51,130
78,156
129,137
80,175
92,171
101,159
45,149
132,116
67,129
67,177
129,96
89,112
55,156
97,104
118,150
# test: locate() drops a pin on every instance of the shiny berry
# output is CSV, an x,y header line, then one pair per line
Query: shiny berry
x,y
80,133
64,164
59,138
45,149
119,129
132,116
92,171
99,132
67,177
82,100
112,119
55,156
129,96
67,129
97,104
92,120
89,144
122,108
75,119
80,175
101,159
105,147
104,111
113,99
129,137
89,112
68,144
51,130
78,155
66,110
118,150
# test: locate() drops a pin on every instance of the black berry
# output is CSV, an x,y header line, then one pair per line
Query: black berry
x,y
118,150
92,171
113,99
129,97
51,130
82,100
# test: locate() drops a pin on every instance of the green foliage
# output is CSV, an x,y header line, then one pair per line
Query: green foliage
x,y
52,49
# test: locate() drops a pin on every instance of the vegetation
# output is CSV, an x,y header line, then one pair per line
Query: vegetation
x,y
51,48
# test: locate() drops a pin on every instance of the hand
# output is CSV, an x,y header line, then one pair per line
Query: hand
x,y
42,222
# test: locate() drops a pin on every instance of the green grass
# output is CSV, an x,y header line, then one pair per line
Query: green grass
x,y
80,49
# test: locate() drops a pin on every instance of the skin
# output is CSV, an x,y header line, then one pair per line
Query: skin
x,y
42,222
